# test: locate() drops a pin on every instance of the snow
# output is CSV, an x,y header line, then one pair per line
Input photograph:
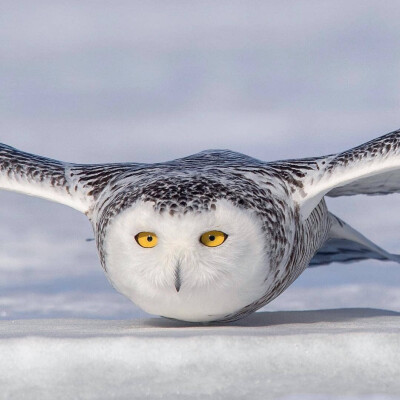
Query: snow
x,y
270,354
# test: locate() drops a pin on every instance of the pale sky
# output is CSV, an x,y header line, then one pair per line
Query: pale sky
x,y
131,80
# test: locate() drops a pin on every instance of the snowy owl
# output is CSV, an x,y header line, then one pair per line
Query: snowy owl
x,y
216,235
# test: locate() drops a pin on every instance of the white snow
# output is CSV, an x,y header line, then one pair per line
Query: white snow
x,y
268,355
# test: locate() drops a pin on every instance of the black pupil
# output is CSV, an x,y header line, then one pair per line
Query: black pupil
x,y
212,238
149,238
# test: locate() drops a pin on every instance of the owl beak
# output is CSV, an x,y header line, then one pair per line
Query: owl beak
x,y
178,282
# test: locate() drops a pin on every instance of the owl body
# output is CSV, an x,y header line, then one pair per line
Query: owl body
x,y
217,235
209,191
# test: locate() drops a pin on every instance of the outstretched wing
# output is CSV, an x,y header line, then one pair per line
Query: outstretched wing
x,y
346,245
43,177
372,168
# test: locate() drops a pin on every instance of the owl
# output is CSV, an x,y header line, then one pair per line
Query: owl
x,y
216,235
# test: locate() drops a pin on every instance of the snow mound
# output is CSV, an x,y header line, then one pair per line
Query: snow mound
x,y
325,354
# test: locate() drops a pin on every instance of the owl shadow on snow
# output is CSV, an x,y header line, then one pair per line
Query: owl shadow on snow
x,y
271,318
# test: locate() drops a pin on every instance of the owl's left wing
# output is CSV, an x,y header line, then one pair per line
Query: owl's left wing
x,y
42,177
372,168
75,185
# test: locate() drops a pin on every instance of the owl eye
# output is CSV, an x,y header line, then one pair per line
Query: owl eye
x,y
146,239
213,238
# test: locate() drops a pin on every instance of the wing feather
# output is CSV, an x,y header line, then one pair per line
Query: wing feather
x,y
42,177
346,245
372,168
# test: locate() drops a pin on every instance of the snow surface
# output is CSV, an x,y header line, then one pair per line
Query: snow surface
x,y
268,355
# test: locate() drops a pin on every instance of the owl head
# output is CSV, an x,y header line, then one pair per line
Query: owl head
x,y
189,248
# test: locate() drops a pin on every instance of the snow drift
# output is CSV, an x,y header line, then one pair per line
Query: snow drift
x,y
268,355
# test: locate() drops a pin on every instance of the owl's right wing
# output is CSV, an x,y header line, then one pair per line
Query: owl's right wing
x,y
345,245
372,168
74,185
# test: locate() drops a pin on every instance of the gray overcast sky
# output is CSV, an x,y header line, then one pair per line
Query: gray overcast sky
x,y
99,81
133,80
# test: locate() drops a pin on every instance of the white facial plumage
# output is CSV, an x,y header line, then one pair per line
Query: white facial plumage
x,y
215,281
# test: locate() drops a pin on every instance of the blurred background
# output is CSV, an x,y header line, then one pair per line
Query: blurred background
x,y
99,81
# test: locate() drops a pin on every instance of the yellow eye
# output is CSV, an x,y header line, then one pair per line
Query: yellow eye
x,y
146,239
213,238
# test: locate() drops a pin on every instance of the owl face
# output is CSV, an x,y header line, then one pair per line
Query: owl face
x,y
193,266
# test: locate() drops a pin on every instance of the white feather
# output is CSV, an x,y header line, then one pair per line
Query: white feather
x,y
215,281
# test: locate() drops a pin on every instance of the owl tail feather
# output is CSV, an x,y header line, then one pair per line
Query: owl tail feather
x,y
346,245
